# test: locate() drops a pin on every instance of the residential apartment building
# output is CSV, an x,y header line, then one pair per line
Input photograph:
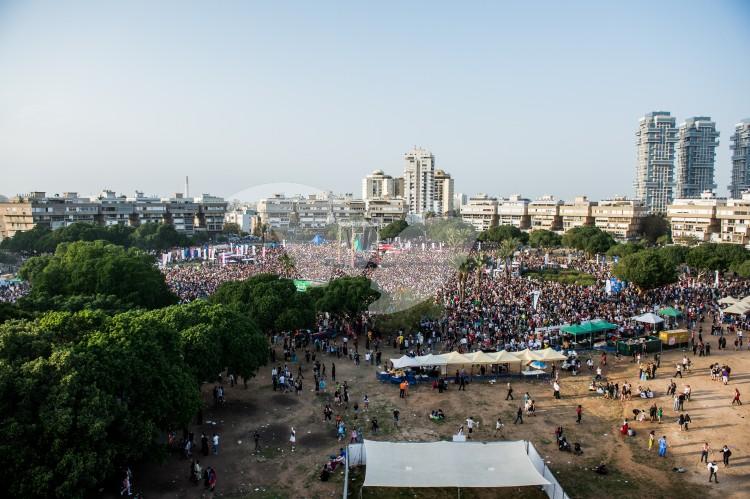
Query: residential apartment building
x,y
378,185
314,211
578,213
695,219
385,211
544,213
480,211
443,204
740,146
620,216
696,153
245,217
514,211
656,138
734,220
419,181
205,213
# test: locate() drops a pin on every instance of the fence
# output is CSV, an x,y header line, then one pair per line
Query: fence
x,y
554,490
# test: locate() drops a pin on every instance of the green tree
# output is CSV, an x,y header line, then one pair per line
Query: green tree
x,y
544,239
742,269
621,250
232,228
653,227
393,229
709,257
501,233
591,240
507,249
646,269
346,296
98,268
675,255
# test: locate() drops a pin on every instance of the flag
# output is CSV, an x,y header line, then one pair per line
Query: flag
x,y
608,287
716,279
546,258
535,298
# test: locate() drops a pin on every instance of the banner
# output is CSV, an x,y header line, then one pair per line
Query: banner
x,y
535,298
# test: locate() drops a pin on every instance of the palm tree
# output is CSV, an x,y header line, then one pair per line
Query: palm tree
x,y
463,266
481,262
506,251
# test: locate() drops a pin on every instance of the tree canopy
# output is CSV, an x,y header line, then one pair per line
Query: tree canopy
x,y
590,239
96,270
393,229
654,227
711,256
346,296
544,239
501,233
646,269
83,393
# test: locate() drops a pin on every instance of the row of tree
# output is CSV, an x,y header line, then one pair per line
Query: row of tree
x,y
148,237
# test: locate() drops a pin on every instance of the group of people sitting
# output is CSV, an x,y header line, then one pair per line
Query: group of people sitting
x,y
437,415
333,462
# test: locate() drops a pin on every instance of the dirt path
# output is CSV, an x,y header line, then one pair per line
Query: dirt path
x,y
278,472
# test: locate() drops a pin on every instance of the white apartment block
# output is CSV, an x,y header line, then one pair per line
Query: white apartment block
x,y
378,185
695,219
578,213
384,211
314,211
544,213
480,211
245,217
419,180
656,138
734,219
620,216
514,211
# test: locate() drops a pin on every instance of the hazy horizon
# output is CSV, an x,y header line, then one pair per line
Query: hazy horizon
x,y
539,98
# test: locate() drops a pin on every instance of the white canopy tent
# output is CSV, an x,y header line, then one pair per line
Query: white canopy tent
x,y
433,464
505,357
728,300
551,355
739,308
648,318
479,357
527,355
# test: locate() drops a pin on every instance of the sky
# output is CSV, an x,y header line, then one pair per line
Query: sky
x,y
511,97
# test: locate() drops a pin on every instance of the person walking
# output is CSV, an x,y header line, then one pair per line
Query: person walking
x,y
663,446
519,416
736,399
498,426
704,452
204,444
713,470
651,439
333,371
579,412
256,438
509,396
293,438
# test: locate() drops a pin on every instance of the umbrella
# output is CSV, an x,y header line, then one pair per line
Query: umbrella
x,y
670,312
728,300
649,318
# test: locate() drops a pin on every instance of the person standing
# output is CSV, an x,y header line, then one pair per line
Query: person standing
x,y
293,438
736,399
579,413
215,442
704,452
204,444
519,416
402,389
663,446
556,389
713,469
726,453
509,396
498,426
256,438
396,414
470,425
333,371
651,439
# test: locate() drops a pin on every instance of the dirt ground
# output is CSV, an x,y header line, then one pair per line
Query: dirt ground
x,y
634,471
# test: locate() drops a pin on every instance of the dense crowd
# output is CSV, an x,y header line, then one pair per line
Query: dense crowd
x,y
10,293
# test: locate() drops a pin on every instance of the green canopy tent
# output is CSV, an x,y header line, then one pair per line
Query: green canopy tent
x,y
670,312
588,328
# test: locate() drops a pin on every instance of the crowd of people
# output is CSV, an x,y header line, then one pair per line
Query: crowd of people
x,y
12,292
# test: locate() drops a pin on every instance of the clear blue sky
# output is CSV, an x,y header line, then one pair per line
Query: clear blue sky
x,y
512,97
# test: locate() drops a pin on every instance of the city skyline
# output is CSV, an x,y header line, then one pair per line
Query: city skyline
x,y
230,98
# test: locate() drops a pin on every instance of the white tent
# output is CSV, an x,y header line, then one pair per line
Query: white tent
x,y
430,360
405,361
738,308
550,355
480,357
728,300
648,318
433,464
505,357
527,355
453,358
